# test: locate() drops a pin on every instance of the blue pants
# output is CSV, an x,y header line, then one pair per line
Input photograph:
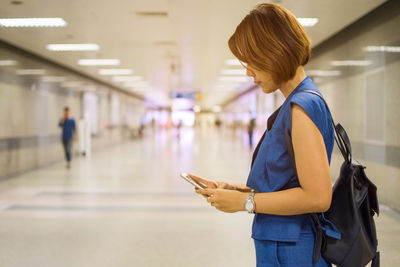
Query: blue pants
x,y
67,144
287,254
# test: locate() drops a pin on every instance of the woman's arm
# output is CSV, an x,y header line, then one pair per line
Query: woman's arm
x,y
221,184
240,187
315,191
312,165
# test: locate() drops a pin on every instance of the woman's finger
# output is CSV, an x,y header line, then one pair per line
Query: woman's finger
x,y
197,192
207,192
223,185
208,183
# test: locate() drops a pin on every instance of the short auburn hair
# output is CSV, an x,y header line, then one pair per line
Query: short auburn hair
x,y
271,39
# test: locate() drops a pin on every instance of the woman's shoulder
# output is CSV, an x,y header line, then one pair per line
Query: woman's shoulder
x,y
311,103
315,108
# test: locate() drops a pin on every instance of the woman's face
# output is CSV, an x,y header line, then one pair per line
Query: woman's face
x,y
263,79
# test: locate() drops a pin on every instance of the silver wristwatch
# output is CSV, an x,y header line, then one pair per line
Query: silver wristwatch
x,y
250,205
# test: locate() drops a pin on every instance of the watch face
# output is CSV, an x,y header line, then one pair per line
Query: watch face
x,y
249,205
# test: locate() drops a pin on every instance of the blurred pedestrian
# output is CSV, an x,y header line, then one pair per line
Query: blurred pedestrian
x,y
218,123
68,126
178,128
250,130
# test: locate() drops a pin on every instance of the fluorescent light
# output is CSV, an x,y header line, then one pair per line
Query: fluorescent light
x,y
307,22
233,62
71,84
234,72
115,71
33,22
126,78
8,62
197,109
390,49
324,73
216,109
233,79
98,62
351,62
52,79
31,72
73,47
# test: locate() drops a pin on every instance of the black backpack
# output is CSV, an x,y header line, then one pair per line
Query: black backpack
x,y
354,203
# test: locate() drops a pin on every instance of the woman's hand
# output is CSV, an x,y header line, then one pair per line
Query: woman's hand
x,y
225,185
213,184
208,183
224,199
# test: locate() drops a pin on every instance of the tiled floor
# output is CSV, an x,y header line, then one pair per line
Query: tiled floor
x,y
127,206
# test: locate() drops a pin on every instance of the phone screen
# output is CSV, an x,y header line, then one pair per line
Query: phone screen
x,y
192,182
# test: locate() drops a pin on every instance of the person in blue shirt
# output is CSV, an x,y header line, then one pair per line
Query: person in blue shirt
x,y
274,48
68,135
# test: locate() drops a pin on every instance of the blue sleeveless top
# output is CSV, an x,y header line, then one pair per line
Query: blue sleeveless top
x,y
272,168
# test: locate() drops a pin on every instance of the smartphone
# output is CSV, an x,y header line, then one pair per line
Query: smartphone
x,y
192,182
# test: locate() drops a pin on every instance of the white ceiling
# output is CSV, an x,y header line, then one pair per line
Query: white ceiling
x,y
192,37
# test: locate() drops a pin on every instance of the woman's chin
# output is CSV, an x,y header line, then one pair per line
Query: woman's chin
x,y
266,90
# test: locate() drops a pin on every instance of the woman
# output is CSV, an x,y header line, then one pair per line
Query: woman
x,y
274,48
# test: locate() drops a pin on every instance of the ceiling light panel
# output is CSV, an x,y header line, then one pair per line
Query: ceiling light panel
x,y
389,49
73,47
31,72
99,62
115,71
8,62
351,63
324,73
307,22
33,22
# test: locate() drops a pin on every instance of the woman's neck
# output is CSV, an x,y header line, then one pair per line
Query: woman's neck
x,y
287,87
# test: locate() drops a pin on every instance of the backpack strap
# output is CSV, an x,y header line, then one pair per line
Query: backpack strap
x,y
341,138
319,238
376,260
